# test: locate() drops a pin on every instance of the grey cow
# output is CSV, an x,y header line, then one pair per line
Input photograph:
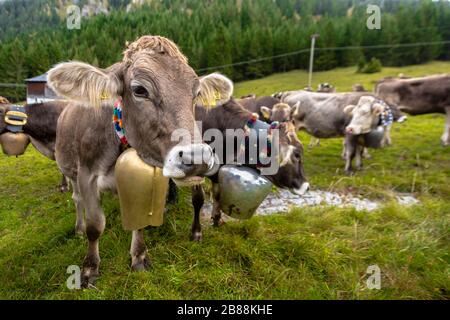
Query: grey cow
x,y
157,90
419,96
329,115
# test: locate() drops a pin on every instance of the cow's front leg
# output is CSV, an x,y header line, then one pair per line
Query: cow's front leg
x,y
366,154
359,156
216,214
198,199
138,251
386,141
172,196
446,136
95,225
80,227
344,151
350,152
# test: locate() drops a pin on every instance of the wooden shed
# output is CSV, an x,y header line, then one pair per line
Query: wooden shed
x,y
38,91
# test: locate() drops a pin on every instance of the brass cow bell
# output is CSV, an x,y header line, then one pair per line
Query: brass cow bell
x,y
142,192
242,190
14,144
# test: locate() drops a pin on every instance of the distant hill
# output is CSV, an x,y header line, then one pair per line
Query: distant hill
x,y
244,39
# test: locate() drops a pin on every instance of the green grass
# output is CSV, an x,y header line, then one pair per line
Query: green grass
x,y
314,253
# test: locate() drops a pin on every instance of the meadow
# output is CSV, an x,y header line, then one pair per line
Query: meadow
x,y
308,253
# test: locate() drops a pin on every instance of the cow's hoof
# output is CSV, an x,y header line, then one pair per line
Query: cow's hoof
x,y
217,223
349,172
64,189
88,277
196,236
140,264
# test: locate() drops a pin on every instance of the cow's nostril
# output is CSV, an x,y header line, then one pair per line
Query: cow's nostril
x,y
180,154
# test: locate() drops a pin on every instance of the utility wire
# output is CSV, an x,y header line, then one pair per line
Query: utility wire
x,y
293,53
381,46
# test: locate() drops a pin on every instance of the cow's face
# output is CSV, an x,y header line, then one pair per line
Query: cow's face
x,y
158,90
290,174
280,112
365,115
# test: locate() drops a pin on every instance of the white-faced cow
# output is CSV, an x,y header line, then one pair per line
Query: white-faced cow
x,y
419,96
156,89
323,115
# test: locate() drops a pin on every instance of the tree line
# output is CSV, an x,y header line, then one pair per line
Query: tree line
x,y
222,32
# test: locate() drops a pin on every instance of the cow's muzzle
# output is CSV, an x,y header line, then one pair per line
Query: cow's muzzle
x,y
188,164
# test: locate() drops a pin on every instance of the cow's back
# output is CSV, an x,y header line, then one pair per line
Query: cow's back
x,y
417,95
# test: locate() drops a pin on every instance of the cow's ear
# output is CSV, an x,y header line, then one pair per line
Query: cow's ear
x,y
85,83
377,109
349,109
215,89
266,112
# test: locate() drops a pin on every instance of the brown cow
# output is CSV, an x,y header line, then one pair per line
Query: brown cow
x,y
232,116
419,96
157,90
40,128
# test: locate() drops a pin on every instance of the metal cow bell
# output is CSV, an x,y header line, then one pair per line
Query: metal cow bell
x,y
242,190
14,144
142,192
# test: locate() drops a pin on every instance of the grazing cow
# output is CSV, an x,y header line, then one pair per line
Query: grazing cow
x,y
231,115
40,127
358,88
419,96
322,116
155,89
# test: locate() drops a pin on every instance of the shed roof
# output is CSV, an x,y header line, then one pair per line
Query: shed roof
x,y
41,78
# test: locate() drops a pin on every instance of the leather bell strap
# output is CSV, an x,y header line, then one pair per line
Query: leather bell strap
x,y
15,119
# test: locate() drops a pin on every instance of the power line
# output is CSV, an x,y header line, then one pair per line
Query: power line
x,y
382,46
12,85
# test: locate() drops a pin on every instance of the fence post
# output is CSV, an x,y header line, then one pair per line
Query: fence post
x,y
311,59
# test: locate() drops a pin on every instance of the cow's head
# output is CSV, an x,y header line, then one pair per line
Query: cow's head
x,y
280,112
290,174
158,90
365,115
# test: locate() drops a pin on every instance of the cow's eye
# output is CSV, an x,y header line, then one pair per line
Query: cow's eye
x,y
140,91
297,155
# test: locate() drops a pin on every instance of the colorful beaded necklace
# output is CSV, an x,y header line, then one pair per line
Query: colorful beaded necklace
x,y
118,123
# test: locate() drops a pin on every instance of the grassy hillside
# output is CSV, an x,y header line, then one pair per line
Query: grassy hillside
x,y
315,253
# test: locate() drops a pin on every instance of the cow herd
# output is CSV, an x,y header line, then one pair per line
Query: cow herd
x,y
153,92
